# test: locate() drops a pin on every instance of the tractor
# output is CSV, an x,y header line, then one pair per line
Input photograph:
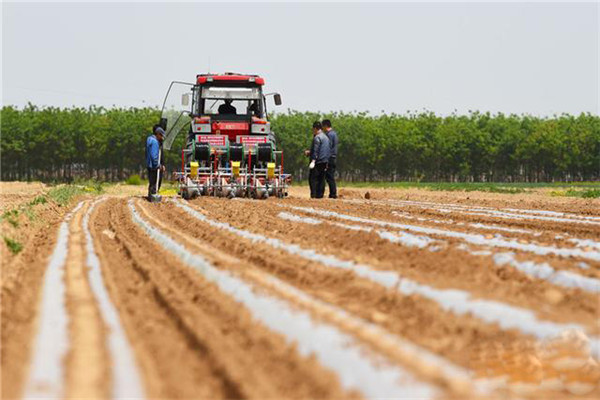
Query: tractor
x,y
230,150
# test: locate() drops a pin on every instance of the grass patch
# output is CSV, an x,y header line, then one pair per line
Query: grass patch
x,y
442,186
167,191
94,187
590,194
12,217
578,189
38,200
14,246
28,211
63,194
90,185
586,194
134,180
472,187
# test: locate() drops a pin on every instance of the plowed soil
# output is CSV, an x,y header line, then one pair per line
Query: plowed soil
x,y
190,338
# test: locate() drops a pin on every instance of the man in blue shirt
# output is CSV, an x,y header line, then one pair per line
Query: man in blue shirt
x,y
331,165
154,159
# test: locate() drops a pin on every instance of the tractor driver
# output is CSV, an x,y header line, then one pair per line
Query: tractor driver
x,y
227,108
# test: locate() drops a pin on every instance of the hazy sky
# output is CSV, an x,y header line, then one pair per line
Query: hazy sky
x,y
539,58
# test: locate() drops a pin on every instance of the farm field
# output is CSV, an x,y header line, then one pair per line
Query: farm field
x,y
381,293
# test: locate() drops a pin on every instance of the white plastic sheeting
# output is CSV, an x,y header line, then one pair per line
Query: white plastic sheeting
x,y
46,372
126,381
455,301
333,348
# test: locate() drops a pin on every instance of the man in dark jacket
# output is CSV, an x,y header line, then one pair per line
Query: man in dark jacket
x,y
154,159
320,152
331,165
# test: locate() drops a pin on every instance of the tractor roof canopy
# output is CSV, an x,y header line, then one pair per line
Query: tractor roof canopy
x,y
229,78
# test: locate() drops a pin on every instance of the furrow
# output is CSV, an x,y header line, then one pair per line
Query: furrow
x,y
126,381
471,238
176,360
403,238
428,364
513,216
472,225
539,271
468,218
578,242
510,213
456,301
333,348
52,343
544,271
488,209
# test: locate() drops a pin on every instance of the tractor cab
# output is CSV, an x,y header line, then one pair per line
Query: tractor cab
x,y
231,104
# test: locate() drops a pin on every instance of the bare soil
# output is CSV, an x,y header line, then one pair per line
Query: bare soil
x,y
191,340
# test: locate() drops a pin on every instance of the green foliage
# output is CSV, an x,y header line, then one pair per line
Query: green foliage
x,y
41,199
444,186
12,217
478,147
471,187
591,194
586,194
134,180
62,144
14,246
63,194
571,188
94,187
29,212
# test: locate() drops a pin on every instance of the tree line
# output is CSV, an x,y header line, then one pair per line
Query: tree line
x,y
62,144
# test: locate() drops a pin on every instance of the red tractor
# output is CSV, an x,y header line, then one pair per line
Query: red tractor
x,y
230,149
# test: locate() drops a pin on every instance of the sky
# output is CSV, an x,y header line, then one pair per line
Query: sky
x,y
535,58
